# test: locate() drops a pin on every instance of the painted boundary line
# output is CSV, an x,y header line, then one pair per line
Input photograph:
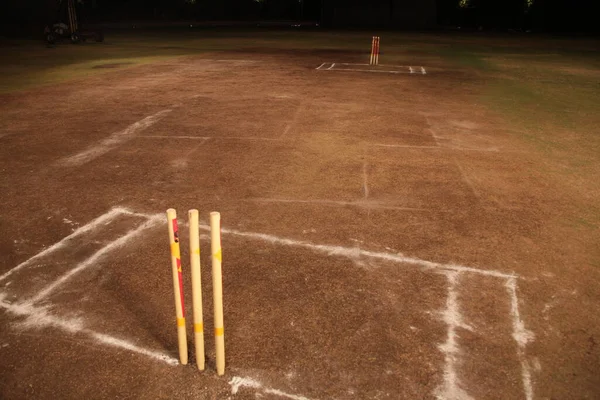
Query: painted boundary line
x,y
103,219
354,253
207,137
362,203
522,336
408,69
97,256
113,141
436,147
451,386
38,316
152,220
238,382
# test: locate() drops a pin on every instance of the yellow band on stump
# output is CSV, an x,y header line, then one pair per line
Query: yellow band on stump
x,y
175,250
217,278
219,255
199,328
177,284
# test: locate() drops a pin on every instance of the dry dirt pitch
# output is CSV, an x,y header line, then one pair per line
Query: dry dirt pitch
x,y
385,236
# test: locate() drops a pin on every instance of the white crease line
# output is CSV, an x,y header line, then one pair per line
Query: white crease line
x,y
402,146
405,146
292,122
423,71
174,137
127,211
366,70
238,382
182,162
370,205
451,386
39,317
522,336
206,137
319,67
246,138
489,149
113,140
365,181
355,253
103,219
196,147
97,256
379,65
410,69
115,342
280,393
437,138
432,130
468,181
286,130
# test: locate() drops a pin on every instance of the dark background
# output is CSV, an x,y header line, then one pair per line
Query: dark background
x,y
28,16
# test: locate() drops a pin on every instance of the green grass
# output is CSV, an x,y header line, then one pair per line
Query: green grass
x,y
548,90
554,108
28,64
17,78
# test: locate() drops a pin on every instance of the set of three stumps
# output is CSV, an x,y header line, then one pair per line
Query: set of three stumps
x,y
216,258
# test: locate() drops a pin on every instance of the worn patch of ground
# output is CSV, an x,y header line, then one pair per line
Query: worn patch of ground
x,y
385,236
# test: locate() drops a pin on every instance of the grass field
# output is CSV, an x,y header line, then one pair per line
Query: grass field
x,y
385,235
